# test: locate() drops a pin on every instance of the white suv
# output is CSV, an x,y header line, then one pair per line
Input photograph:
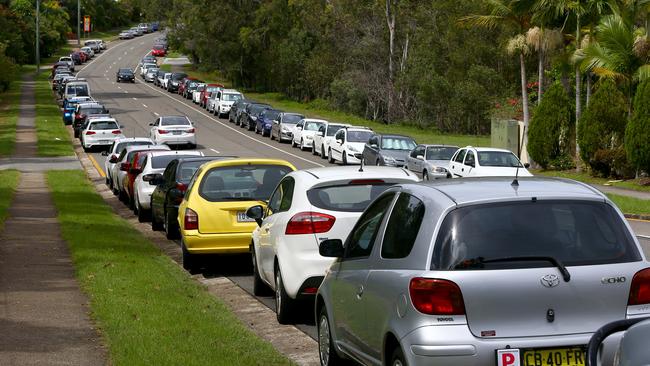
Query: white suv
x,y
348,145
223,100
309,206
486,162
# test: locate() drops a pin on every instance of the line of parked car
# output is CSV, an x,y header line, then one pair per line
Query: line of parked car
x,y
487,271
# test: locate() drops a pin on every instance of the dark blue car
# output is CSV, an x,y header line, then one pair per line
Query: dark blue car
x,y
265,121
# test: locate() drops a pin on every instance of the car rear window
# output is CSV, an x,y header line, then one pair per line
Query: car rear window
x,y
78,90
174,121
313,126
161,162
333,129
440,153
241,182
104,125
122,145
346,198
498,158
573,232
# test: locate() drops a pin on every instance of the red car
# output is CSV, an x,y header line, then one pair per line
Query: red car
x,y
183,85
207,92
158,50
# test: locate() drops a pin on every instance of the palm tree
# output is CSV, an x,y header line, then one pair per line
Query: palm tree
x,y
543,41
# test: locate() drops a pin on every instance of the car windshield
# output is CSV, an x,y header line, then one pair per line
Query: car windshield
x,y
359,136
231,97
333,129
187,169
397,143
174,121
123,145
312,126
498,159
573,232
241,182
126,71
178,76
103,125
292,118
440,153
346,198
161,162
79,90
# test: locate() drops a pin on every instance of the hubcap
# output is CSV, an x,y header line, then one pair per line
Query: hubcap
x,y
324,340
397,363
278,297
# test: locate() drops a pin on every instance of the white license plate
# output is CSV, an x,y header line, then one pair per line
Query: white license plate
x,y
241,217
177,132
105,141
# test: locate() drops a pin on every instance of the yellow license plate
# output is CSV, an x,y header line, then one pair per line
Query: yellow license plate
x,y
573,356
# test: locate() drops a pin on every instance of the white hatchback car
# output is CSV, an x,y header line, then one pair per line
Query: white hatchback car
x,y
145,67
173,130
348,145
303,133
486,162
151,74
100,132
114,152
324,137
309,206
196,93
154,163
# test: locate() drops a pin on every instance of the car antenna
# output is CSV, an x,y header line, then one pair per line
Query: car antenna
x,y
361,166
515,182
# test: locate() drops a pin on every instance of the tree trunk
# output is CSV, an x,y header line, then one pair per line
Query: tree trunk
x,y
540,76
390,21
588,88
578,98
524,98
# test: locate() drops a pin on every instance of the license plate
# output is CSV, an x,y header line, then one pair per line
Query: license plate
x,y
105,141
177,132
568,356
241,217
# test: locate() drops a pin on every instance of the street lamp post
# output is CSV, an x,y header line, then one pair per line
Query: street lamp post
x,y
78,23
38,38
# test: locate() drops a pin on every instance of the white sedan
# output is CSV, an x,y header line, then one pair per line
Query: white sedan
x,y
309,206
144,184
348,145
173,130
486,162
324,137
303,133
100,132
114,152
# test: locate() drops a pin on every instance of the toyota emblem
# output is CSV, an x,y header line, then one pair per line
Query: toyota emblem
x,y
550,280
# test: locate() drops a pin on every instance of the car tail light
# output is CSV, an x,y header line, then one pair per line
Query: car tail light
x,y
640,288
191,221
90,132
116,132
181,187
191,130
436,297
366,181
309,223
162,132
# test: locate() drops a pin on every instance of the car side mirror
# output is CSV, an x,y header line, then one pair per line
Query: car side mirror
x,y
275,121
113,159
527,165
104,153
299,127
374,146
153,179
321,133
472,164
332,248
151,124
135,171
256,213
420,157
339,141
107,111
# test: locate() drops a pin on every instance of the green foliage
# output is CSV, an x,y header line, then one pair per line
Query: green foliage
x,y
637,133
552,127
601,129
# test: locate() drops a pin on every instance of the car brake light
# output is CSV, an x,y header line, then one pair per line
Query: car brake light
x,y
162,132
436,297
90,132
366,181
640,288
116,132
191,130
309,223
191,221
181,187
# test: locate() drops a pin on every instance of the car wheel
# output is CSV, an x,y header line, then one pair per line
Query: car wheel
x,y
378,163
322,152
131,203
271,136
330,158
326,349
121,195
302,145
397,357
190,261
143,215
259,287
293,143
155,224
345,158
313,149
283,303
425,175
171,227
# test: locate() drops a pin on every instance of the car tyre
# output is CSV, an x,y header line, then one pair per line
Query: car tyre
x,y
330,159
284,305
345,158
293,142
170,226
155,224
397,357
143,215
313,149
326,349
190,261
322,152
259,287
271,136
302,145
425,175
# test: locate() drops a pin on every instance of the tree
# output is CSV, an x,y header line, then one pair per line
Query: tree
x,y
552,128
637,133
602,128
543,41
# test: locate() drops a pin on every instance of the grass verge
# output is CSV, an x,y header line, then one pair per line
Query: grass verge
x,y
9,110
53,137
8,183
148,309
586,178
630,205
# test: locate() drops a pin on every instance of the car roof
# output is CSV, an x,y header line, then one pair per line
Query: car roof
x,y
493,189
248,161
315,120
438,145
393,135
98,115
90,105
146,147
326,174
486,149
133,139
102,119
174,152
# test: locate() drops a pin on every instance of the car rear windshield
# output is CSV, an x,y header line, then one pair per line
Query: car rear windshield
x,y
161,162
271,114
346,198
359,136
187,169
397,143
292,118
104,125
573,232
333,129
241,182
158,47
174,121
498,158
440,153
78,90
122,145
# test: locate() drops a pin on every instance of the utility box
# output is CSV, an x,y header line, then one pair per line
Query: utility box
x,y
507,134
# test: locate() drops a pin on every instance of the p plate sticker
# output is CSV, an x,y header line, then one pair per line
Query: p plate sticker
x,y
508,357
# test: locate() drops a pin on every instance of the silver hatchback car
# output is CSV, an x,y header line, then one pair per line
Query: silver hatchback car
x,y
480,272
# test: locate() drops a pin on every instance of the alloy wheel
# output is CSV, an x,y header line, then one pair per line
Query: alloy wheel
x,y
324,340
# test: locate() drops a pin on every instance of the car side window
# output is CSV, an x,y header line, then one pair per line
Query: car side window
x,y
287,193
403,227
169,174
374,141
321,129
417,151
362,237
470,159
340,135
460,156
274,201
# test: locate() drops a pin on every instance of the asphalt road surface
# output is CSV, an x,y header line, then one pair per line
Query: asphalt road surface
x,y
137,105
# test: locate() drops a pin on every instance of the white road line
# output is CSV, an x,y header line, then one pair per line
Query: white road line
x,y
644,236
134,98
156,114
215,151
144,105
119,58
119,87
126,91
229,127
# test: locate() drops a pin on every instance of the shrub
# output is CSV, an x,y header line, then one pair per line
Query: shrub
x,y
637,133
602,128
552,127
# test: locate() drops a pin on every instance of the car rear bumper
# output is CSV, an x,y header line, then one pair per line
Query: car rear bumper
x,y
104,141
229,243
177,140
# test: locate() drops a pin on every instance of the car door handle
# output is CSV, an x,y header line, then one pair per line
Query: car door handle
x,y
266,229
360,291
462,170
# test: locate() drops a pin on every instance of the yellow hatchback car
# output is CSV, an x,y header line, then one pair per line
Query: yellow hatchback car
x,y
212,217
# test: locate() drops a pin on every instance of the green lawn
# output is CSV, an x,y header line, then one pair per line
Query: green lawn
x,y
586,178
630,205
53,138
148,309
9,109
8,182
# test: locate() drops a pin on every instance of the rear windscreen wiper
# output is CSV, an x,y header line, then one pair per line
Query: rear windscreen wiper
x,y
480,261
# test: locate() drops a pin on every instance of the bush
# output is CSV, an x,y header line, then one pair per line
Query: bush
x,y
602,128
8,68
552,128
637,133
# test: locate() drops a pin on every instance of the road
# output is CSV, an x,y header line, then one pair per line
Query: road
x,y
137,105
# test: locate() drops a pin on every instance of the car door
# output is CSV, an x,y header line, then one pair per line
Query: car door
x,y
456,163
297,131
352,270
337,145
154,128
469,164
414,163
159,195
273,226
371,150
